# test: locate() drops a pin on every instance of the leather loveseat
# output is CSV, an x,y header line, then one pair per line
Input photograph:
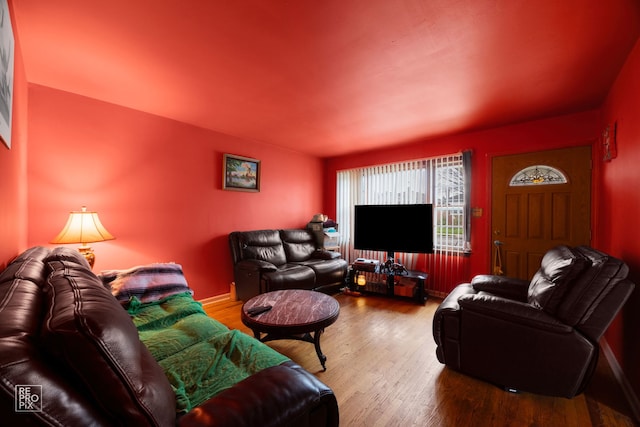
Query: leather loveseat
x,y
540,336
70,355
269,260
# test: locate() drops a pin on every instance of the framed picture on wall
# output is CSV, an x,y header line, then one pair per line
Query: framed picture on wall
x,y
240,173
609,143
7,46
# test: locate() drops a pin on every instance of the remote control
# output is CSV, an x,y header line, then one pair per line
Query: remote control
x,y
254,311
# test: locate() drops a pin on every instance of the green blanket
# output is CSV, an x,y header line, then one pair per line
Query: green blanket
x,y
200,356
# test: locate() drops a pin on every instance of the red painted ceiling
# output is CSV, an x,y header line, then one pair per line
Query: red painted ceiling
x,y
334,76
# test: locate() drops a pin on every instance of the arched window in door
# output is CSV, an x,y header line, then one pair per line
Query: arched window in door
x,y
538,175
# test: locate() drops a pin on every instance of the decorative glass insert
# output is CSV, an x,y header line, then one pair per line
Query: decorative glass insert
x,y
538,175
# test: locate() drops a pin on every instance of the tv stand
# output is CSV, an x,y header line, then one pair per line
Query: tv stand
x,y
390,279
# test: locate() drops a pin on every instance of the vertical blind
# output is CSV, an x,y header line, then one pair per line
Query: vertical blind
x,y
442,181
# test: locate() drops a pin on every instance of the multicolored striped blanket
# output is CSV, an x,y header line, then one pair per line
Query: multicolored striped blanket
x,y
147,283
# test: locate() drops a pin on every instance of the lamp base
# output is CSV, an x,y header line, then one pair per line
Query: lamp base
x,y
88,254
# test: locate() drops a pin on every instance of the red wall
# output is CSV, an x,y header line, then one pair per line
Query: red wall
x,y
556,132
619,207
156,184
616,201
13,176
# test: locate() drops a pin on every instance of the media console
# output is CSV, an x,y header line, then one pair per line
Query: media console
x,y
408,284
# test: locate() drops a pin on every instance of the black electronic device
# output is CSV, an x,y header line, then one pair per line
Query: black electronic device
x,y
362,264
394,228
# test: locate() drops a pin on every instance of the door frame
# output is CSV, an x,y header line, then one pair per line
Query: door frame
x,y
594,196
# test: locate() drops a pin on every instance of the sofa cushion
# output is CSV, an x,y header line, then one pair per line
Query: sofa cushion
x,y
22,361
263,245
299,245
328,271
594,284
27,266
290,276
147,283
559,266
86,329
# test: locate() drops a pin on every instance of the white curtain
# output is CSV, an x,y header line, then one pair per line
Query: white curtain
x,y
442,181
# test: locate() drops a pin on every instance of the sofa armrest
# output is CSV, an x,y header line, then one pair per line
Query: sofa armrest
x,y
520,347
255,265
283,395
248,275
322,254
506,310
507,287
446,325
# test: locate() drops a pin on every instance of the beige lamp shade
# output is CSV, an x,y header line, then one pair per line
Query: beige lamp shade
x,y
83,227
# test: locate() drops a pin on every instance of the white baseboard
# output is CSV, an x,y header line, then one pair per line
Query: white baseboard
x,y
634,403
216,299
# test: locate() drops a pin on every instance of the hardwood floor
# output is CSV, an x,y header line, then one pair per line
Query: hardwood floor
x,y
382,367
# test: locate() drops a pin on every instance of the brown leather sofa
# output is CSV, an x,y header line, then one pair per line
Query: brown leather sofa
x,y
269,260
67,342
540,336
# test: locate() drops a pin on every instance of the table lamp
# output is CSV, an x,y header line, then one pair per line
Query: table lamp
x,y
83,227
361,280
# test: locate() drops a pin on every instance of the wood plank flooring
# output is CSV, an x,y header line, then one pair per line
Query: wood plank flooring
x,y
382,367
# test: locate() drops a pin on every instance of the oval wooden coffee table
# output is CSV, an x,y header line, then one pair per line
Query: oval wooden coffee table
x,y
295,314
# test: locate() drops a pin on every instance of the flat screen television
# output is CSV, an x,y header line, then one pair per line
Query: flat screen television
x,y
394,228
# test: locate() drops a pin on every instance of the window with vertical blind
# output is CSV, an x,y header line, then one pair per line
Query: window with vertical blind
x,y
442,181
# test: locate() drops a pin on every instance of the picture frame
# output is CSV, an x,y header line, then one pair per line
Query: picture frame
x,y
240,173
609,143
7,53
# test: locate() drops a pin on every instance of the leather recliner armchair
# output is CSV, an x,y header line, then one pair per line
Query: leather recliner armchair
x,y
540,336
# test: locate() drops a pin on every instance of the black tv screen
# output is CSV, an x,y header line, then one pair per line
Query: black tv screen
x,y
394,228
